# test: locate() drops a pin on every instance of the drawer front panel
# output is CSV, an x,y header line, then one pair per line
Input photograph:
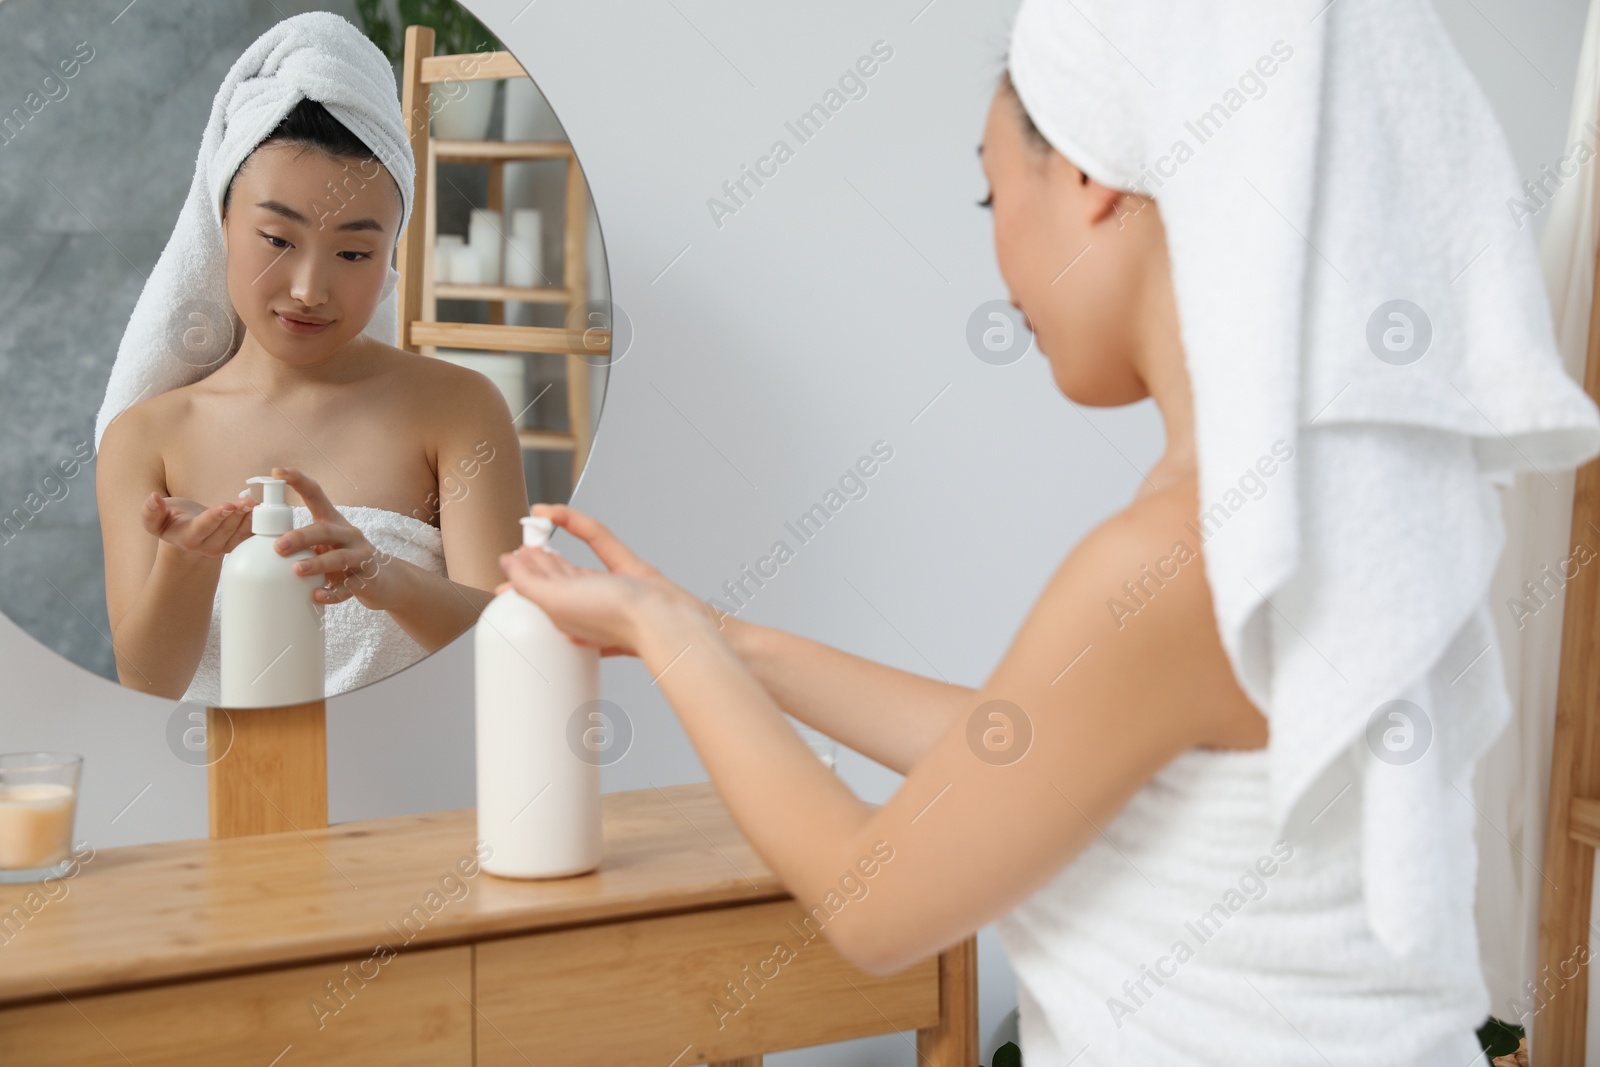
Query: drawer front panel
x,y
408,1008
685,989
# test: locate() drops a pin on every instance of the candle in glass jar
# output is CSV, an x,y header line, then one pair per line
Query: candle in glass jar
x,y
35,824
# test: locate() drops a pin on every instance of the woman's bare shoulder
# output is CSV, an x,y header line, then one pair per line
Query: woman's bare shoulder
x,y
139,434
130,462
445,389
455,410
1135,591
1154,528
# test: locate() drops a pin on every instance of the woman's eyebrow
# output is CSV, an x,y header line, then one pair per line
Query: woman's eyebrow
x,y
278,207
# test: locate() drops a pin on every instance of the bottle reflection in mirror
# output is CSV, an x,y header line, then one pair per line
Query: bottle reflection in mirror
x,y
273,637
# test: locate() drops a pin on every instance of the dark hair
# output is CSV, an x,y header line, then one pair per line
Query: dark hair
x,y
1030,132
310,125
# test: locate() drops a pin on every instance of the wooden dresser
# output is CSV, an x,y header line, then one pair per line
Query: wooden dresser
x,y
366,943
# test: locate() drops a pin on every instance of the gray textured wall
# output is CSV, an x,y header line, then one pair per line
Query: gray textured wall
x,y
89,189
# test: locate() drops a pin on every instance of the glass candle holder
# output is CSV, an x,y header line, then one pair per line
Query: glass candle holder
x,y
38,802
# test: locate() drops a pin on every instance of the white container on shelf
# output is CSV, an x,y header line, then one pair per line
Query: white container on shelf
x,y
504,369
522,261
486,237
527,222
444,256
462,109
538,789
466,267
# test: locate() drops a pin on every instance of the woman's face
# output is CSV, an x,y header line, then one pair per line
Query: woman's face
x,y
1076,256
309,239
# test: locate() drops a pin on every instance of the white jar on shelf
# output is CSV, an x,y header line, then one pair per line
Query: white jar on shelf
x,y
462,109
486,237
504,369
524,252
527,222
522,261
466,267
444,256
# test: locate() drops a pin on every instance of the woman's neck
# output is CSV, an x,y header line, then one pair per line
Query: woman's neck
x,y
1178,462
1161,364
277,379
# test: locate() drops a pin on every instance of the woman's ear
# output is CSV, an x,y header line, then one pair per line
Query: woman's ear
x,y
1099,200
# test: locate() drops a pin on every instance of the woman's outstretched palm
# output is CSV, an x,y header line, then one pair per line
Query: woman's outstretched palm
x,y
195,528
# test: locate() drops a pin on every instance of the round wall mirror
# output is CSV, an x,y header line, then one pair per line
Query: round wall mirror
x,y
418,424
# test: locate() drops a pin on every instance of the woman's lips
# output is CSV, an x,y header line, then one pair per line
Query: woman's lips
x,y
294,325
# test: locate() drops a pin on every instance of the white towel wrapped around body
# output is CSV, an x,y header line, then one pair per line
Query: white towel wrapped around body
x,y
362,646
1189,933
183,326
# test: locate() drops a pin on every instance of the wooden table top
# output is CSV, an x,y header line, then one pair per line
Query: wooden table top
x,y
181,909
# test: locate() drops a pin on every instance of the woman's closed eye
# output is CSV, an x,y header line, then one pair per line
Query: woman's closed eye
x,y
279,242
988,201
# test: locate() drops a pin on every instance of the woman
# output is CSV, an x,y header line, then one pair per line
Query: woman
x,y
421,454
1174,882
1098,731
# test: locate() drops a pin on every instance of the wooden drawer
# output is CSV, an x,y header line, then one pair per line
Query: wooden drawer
x,y
399,1010
684,989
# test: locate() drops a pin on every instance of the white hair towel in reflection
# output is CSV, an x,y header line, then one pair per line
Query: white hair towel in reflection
x,y
1354,294
183,326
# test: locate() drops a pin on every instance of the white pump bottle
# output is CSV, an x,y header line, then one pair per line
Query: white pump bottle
x,y
272,635
538,784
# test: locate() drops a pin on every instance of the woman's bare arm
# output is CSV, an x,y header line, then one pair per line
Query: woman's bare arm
x,y
482,496
483,492
886,714
431,608
158,596
972,831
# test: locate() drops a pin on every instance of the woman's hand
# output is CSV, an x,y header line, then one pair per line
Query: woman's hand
x,y
596,609
354,568
195,529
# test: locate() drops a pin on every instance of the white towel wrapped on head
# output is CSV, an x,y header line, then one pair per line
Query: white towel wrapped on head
x,y
183,326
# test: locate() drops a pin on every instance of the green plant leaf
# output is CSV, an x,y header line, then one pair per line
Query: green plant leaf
x,y
1499,1038
379,30
455,29
1008,1055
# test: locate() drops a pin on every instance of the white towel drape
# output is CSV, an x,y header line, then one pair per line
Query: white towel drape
x,y
1514,779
